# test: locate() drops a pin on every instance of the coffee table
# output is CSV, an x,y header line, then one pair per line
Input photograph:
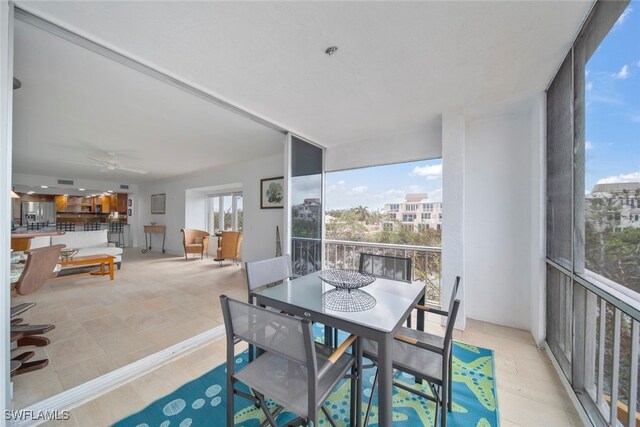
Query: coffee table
x,y
91,260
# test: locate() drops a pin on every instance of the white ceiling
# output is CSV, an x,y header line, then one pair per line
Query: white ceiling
x,y
399,64
74,103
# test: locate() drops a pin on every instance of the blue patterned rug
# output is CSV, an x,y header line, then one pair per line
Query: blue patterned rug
x,y
201,402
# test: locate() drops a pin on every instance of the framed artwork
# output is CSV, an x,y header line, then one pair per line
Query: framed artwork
x,y
158,203
272,193
128,212
130,202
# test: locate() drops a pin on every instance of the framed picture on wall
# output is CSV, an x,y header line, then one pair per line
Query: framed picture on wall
x,y
272,193
128,212
158,203
130,202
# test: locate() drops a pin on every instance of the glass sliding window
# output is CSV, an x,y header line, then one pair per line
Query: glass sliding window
x,y
612,172
306,206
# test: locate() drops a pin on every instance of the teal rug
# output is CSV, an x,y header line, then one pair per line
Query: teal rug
x,y
201,402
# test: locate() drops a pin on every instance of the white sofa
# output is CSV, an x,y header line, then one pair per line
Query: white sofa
x,y
88,243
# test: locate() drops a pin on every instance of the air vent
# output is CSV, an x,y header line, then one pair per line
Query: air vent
x,y
124,186
65,182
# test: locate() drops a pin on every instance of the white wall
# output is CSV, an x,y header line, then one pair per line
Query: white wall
x,y
501,218
259,224
405,146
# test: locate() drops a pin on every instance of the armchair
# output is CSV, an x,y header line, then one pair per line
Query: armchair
x,y
229,246
195,242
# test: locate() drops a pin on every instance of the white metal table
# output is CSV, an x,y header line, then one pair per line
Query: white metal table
x,y
394,301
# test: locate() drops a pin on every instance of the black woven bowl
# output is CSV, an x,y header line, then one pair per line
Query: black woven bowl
x,y
346,279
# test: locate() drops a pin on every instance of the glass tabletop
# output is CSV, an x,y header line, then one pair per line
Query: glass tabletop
x,y
393,299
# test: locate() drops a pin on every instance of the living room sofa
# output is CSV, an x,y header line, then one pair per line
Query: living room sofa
x,y
88,243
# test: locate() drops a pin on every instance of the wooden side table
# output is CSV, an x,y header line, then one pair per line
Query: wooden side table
x,y
153,229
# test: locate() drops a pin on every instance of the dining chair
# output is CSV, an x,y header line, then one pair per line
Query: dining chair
x,y
417,355
266,272
388,267
438,340
294,371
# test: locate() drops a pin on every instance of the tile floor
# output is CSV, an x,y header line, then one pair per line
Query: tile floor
x,y
529,390
154,302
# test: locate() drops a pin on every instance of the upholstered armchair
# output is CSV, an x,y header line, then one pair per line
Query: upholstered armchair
x,y
229,246
195,242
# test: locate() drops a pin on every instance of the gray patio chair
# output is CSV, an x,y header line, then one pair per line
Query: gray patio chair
x,y
417,355
437,340
294,371
388,267
266,272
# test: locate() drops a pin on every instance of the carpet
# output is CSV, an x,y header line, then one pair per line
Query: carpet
x,y
201,402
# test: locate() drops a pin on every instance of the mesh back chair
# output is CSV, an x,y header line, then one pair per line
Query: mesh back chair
x,y
388,267
66,226
117,228
266,272
91,226
416,355
295,372
436,340
37,225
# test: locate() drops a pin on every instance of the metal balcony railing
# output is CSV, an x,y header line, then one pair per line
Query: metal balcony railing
x,y
426,260
594,334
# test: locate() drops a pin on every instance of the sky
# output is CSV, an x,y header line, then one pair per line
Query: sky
x,y
373,187
612,136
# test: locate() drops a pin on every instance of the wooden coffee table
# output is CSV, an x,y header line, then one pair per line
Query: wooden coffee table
x,y
91,260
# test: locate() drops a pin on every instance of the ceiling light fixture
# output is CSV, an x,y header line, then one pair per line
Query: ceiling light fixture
x,y
44,186
331,50
30,192
81,189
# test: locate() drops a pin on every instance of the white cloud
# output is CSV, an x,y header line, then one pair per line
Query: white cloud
x,y
589,85
435,195
623,73
623,17
630,177
341,182
588,145
430,171
357,190
415,189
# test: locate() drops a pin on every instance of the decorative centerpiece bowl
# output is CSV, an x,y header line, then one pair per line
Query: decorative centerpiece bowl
x,y
346,279
68,253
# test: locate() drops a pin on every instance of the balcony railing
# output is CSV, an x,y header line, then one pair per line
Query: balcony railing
x,y
596,341
426,260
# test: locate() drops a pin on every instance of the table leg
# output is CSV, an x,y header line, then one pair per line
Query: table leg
x,y
385,389
111,269
164,236
359,382
102,273
144,251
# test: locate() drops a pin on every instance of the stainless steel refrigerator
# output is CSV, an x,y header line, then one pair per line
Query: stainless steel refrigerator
x,y
38,212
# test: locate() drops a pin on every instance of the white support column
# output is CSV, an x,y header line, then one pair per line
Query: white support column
x,y
453,174
285,237
6,101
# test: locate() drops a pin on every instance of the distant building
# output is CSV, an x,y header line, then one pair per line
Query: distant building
x,y
309,210
416,212
623,199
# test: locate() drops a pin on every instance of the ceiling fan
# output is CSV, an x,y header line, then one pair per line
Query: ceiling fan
x,y
109,163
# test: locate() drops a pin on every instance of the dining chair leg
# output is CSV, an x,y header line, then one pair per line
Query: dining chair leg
x,y
359,382
444,403
373,389
450,383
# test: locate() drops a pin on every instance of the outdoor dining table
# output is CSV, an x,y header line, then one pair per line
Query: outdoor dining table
x,y
394,301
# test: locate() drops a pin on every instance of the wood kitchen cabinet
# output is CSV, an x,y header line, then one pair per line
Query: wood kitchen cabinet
x,y
122,203
61,203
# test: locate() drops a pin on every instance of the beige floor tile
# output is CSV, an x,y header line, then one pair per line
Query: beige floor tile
x,y
109,408
142,319
82,372
104,325
34,387
74,350
89,312
122,342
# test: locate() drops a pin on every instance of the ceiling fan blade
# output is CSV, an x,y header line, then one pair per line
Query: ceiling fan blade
x,y
132,170
95,159
80,163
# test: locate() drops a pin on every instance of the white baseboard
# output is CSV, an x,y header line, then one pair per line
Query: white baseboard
x,y
90,390
567,387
